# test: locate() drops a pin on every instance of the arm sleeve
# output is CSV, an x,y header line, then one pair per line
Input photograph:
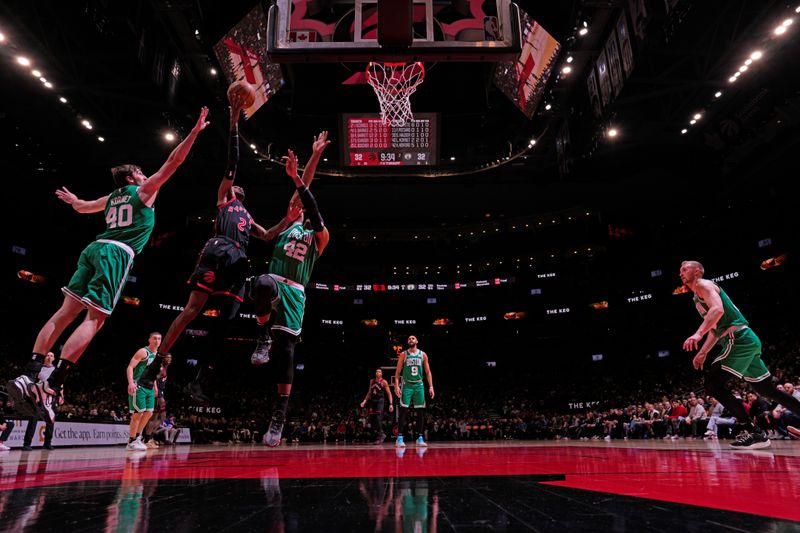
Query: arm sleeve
x,y
312,210
233,154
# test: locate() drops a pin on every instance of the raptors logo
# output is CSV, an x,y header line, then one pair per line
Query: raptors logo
x,y
209,277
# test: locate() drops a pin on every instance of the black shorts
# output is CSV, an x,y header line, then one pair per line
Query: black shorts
x,y
375,408
221,268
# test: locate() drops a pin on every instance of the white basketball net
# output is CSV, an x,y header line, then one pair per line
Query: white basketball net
x,y
393,84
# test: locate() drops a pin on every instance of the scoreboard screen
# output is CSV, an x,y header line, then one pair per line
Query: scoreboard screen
x,y
369,143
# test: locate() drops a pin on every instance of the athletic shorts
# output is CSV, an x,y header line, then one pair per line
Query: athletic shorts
x,y
413,393
143,400
288,308
741,355
221,268
374,408
102,271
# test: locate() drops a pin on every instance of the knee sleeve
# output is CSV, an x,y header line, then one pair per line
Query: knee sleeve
x,y
263,291
767,388
283,356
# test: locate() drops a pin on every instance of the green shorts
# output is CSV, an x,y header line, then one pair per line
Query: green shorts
x,y
102,271
289,307
144,400
413,393
741,355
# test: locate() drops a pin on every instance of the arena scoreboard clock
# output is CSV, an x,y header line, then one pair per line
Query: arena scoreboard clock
x,y
370,143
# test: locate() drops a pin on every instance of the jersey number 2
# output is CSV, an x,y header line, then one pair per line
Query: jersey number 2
x,y
296,250
119,216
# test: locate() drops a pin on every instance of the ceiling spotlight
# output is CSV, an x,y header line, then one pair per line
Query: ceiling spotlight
x,y
693,122
697,116
717,94
197,32
2,38
325,159
24,61
683,131
62,100
532,143
613,132
36,74
169,136
48,85
787,22
732,79
213,71
570,59
42,79
452,158
583,31
780,30
566,70
101,139
737,74
548,107
748,62
797,9
86,124
755,56
743,68
252,146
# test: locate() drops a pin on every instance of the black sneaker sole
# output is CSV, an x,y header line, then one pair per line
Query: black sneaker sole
x,y
13,390
754,446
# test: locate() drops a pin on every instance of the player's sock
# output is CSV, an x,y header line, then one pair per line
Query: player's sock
x,y
421,421
34,366
59,375
282,404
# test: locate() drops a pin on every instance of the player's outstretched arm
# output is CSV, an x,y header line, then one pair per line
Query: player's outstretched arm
x,y
150,187
81,206
309,202
225,191
259,232
317,147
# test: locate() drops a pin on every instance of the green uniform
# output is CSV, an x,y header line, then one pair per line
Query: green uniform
x,y
413,387
104,265
144,399
741,347
414,504
291,265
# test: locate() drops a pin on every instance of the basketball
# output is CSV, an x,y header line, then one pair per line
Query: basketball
x,y
243,92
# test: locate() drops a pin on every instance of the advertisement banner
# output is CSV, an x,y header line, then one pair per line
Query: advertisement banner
x,y
80,434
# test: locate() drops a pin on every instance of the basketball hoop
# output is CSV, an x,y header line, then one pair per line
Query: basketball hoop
x,y
393,84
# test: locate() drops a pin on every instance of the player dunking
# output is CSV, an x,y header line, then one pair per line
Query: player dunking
x,y
141,392
103,268
377,391
410,366
282,290
223,264
723,323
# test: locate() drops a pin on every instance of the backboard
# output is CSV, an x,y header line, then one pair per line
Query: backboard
x,y
318,31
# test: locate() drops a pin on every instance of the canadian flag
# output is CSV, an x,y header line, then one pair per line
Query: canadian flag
x,y
303,36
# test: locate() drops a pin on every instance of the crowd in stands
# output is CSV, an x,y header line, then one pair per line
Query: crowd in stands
x,y
667,406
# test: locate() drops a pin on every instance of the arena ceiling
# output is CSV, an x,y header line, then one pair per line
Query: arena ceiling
x,y
136,69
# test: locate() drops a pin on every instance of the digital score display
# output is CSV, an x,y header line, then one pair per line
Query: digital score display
x,y
370,143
